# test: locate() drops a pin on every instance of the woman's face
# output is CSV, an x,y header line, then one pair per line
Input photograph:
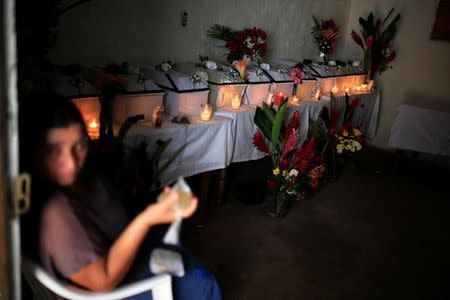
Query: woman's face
x,y
65,152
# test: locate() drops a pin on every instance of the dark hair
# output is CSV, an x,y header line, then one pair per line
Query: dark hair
x,y
41,112
38,114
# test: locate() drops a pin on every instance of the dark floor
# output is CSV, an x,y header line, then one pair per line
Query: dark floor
x,y
380,231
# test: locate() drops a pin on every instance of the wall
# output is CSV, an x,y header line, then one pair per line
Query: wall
x,y
148,31
421,71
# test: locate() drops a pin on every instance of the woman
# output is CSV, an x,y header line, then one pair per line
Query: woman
x,y
84,236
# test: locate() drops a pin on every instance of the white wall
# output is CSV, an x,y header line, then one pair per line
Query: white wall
x,y
421,71
148,31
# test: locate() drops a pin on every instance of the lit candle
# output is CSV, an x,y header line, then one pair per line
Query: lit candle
x,y
364,87
157,116
236,102
295,100
93,129
279,99
269,100
205,114
347,90
335,90
358,88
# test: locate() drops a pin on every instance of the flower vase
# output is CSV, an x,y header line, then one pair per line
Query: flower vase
x,y
281,204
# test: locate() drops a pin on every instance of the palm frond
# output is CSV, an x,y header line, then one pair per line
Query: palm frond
x,y
221,32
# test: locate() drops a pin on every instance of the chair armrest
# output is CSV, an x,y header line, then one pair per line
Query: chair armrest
x,y
160,285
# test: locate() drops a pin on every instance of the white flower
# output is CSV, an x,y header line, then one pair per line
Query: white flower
x,y
203,76
293,173
322,54
166,67
210,65
357,145
265,66
340,148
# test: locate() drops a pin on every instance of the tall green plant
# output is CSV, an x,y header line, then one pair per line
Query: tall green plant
x,y
270,121
376,41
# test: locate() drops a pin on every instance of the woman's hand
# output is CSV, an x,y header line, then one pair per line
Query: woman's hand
x,y
163,212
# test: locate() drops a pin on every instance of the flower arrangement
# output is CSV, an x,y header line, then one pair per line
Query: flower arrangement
x,y
349,140
333,139
241,66
325,34
294,168
297,76
249,41
376,41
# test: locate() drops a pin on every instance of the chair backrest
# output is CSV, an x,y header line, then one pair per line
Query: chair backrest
x,y
46,286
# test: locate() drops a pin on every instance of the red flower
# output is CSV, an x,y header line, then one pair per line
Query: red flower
x,y
369,42
357,39
259,143
377,24
293,124
290,142
283,164
391,57
355,102
272,184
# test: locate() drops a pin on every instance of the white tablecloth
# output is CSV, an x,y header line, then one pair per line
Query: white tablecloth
x,y
209,145
243,129
422,130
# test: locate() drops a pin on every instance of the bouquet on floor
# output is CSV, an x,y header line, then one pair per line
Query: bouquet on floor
x,y
249,41
336,141
295,169
325,34
376,41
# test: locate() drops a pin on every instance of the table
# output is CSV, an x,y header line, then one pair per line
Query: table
x,y
209,144
421,129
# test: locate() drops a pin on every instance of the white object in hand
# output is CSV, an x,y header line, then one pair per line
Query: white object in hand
x,y
166,261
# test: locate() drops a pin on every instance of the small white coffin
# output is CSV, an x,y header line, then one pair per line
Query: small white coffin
x,y
259,86
182,94
141,96
342,77
281,79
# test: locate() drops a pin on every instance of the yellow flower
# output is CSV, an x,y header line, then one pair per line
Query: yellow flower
x,y
276,171
356,132
285,174
348,147
340,148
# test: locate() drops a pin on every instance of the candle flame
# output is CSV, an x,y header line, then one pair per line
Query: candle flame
x,y
93,124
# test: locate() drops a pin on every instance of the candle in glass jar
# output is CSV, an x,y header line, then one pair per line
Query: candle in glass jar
x,y
279,99
93,129
205,114
269,100
236,102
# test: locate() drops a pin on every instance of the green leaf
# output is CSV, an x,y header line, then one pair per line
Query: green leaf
x,y
221,32
159,152
276,129
170,160
268,111
263,123
129,122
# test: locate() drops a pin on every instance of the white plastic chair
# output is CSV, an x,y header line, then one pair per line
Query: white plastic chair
x,y
41,282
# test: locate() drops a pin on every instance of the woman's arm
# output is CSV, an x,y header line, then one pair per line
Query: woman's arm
x,y
107,272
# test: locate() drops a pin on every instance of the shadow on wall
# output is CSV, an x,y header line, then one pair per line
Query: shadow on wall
x,y
421,99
